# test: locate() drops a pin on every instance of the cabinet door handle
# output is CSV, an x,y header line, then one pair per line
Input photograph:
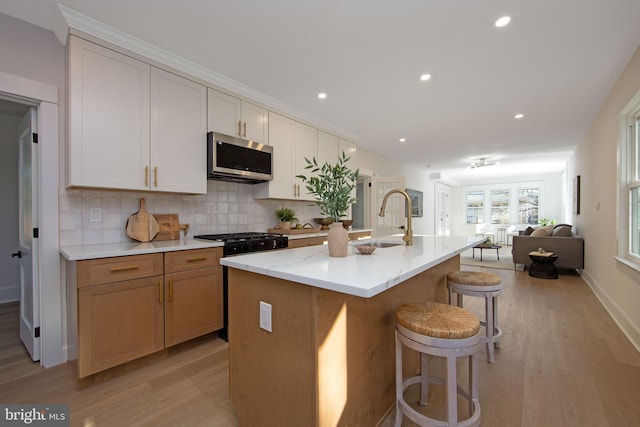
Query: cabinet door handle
x,y
240,127
155,176
171,289
160,292
200,258
245,129
146,176
124,268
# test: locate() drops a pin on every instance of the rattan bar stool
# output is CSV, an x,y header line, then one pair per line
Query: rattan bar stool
x,y
483,285
445,331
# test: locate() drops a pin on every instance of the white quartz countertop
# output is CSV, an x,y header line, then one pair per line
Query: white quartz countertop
x,y
356,274
80,252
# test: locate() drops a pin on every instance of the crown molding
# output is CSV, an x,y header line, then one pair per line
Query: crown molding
x,y
70,21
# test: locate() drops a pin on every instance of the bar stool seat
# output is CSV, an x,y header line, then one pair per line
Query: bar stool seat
x,y
484,285
438,330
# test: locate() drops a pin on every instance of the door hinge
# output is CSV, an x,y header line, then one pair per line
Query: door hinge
x,y
36,332
35,233
34,138
369,184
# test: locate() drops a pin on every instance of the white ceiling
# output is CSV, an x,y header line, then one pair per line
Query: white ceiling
x,y
555,62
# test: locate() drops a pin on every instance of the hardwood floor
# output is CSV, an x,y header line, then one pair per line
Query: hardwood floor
x,y
563,362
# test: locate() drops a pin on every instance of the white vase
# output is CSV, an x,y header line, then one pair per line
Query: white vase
x,y
338,240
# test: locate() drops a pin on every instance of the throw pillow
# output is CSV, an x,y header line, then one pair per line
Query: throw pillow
x,y
563,225
542,231
562,232
527,231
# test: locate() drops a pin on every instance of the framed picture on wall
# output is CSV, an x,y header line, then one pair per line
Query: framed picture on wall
x,y
576,195
416,202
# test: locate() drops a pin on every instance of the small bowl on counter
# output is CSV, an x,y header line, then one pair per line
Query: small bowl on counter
x,y
366,249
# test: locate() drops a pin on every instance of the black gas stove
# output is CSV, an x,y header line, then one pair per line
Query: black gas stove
x,y
242,243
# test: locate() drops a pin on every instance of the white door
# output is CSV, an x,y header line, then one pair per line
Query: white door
x,y
394,214
443,195
28,246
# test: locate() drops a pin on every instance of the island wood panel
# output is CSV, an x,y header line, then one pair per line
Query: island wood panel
x,y
330,359
272,379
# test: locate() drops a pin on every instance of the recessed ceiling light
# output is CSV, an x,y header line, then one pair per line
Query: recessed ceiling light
x,y
501,22
322,95
403,139
519,116
425,77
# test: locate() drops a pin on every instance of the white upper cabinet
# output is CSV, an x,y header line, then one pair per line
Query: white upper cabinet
x,y
292,142
132,126
306,146
178,134
350,149
232,116
109,114
327,148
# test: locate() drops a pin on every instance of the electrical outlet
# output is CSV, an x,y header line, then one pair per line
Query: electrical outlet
x,y
265,316
95,215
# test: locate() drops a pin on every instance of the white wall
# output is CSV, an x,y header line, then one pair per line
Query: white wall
x,y
9,279
595,160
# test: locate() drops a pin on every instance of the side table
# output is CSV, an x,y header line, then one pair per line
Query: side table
x,y
542,266
482,246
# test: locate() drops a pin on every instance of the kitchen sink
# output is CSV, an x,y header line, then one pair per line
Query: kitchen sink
x,y
379,244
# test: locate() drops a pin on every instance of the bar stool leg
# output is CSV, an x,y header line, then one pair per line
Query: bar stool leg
x,y
495,318
489,316
424,379
399,381
452,389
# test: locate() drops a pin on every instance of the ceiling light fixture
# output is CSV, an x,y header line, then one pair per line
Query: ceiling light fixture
x,y
402,139
518,116
482,162
425,77
322,95
501,22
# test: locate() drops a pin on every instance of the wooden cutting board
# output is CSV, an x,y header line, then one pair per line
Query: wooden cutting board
x,y
142,226
170,227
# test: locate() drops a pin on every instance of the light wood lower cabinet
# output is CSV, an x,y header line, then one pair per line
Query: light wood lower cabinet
x,y
193,296
132,306
119,322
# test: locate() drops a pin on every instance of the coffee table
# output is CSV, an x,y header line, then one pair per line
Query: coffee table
x,y
482,246
542,266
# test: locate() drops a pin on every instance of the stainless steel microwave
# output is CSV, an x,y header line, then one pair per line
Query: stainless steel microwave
x,y
239,160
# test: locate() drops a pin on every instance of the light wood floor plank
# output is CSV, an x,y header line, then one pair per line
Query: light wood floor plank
x,y
563,362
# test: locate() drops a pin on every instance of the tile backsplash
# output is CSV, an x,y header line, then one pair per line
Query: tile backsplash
x,y
227,207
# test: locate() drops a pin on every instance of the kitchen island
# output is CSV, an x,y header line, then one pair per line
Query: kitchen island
x,y
329,358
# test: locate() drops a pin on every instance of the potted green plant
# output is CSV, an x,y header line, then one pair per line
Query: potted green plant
x,y
332,186
285,216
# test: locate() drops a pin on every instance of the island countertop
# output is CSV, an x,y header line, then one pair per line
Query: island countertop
x,y
359,275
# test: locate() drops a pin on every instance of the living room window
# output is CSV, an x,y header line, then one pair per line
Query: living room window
x,y
528,202
629,194
475,207
500,206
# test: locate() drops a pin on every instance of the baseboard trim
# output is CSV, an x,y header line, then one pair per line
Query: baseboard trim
x,y
631,331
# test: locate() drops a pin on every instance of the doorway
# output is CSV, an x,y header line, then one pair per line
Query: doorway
x,y
44,97
443,207
17,191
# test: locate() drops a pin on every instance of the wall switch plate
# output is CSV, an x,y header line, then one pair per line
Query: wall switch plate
x,y
265,316
95,214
